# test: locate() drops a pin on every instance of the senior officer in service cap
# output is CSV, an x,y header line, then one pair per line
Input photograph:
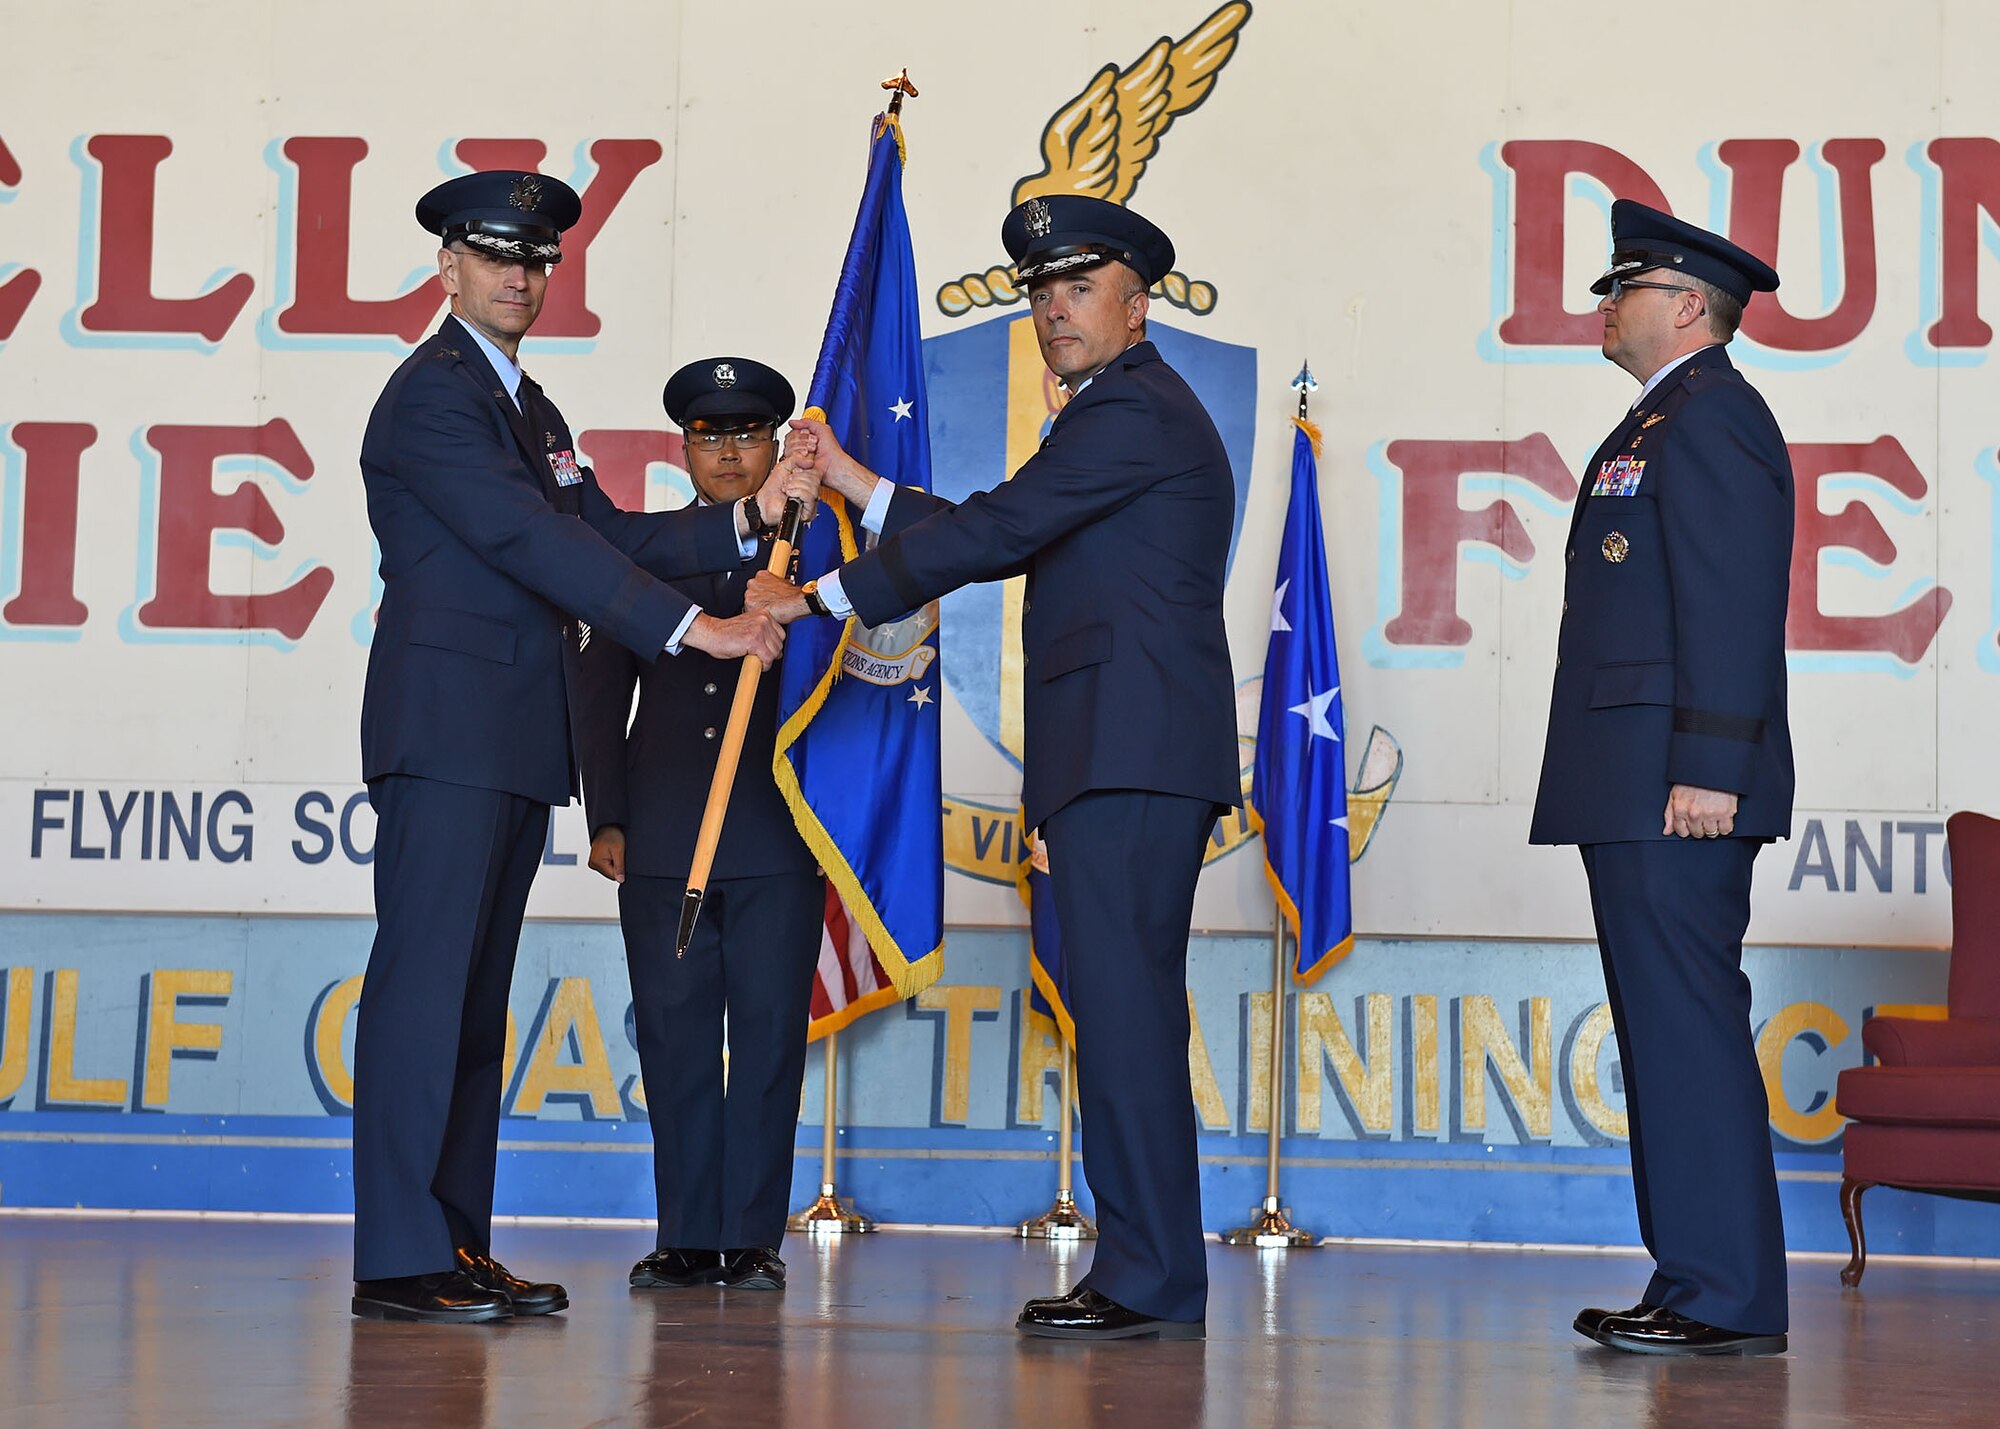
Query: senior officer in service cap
x,y
722,1159
1669,763
1121,521
495,544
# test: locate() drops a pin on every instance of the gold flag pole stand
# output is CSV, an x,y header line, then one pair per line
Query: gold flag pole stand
x,y
1270,1227
828,1215
1062,1221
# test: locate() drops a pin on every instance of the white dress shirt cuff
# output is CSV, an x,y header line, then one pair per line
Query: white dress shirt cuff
x,y
877,509
673,646
832,596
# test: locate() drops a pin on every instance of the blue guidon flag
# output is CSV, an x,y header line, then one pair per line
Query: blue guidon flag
x,y
1298,790
858,717
1048,973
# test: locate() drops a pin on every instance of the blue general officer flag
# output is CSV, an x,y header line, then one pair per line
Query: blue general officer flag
x,y
1298,790
857,751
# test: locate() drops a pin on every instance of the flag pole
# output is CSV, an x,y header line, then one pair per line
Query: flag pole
x,y
1062,1221
828,1215
738,726
1270,1226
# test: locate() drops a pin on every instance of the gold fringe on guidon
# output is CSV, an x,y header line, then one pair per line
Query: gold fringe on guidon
x,y
910,975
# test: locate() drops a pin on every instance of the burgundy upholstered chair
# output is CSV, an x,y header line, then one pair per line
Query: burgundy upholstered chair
x,y
1928,1117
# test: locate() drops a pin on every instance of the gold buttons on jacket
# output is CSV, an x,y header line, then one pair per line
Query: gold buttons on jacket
x,y
1616,547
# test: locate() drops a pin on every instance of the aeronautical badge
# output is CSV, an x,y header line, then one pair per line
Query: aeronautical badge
x,y
1036,214
1616,547
568,473
1656,417
1618,477
725,375
527,193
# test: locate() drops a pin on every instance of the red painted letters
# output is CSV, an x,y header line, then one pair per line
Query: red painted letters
x,y
125,301
192,511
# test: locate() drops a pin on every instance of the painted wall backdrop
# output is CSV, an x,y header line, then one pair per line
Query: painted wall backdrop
x,y
208,267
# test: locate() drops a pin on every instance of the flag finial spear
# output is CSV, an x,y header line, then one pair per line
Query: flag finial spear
x,y
1304,385
900,84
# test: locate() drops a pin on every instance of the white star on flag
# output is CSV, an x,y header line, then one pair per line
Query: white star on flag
x,y
1313,711
920,696
902,409
1278,621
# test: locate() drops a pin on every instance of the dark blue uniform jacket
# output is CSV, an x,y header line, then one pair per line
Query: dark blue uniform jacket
x,y
1121,522
490,543
1671,664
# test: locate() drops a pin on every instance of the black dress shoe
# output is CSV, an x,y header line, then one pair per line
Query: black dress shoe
x,y
754,1267
672,1268
1589,1322
446,1297
529,1299
1086,1315
1663,1332
1065,1299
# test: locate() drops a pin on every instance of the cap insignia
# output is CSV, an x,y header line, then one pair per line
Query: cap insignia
x,y
725,375
527,194
1041,223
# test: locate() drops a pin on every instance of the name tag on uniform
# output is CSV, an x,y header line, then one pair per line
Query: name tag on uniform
x,y
563,464
1618,477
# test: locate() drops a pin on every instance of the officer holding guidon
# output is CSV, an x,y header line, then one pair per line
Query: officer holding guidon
x,y
1669,763
1121,522
498,551
722,1159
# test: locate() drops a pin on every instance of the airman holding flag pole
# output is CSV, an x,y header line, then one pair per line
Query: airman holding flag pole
x,y
1121,522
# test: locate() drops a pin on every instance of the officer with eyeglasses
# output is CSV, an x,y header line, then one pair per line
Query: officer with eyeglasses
x,y
722,1159
1669,764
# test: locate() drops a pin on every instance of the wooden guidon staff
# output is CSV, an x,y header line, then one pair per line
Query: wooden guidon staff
x,y
732,746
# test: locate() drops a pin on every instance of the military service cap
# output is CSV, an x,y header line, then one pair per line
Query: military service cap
x,y
1064,232
722,393
1643,239
505,212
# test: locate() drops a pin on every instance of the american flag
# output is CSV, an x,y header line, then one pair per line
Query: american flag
x,y
848,983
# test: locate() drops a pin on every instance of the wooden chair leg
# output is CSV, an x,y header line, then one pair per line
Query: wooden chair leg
x,y
1850,1211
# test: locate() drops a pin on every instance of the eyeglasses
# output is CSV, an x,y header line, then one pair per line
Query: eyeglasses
x,y
1619,285
742,441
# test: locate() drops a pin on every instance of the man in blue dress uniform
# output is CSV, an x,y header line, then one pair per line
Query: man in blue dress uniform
x,y
495,544
1669,763
722,1159
1121,523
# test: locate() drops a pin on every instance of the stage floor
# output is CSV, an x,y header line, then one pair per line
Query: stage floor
x,y
185,1322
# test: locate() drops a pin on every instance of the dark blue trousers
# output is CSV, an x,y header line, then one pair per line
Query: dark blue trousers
x,y
453,866
1122,866
1670,920
722,1158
